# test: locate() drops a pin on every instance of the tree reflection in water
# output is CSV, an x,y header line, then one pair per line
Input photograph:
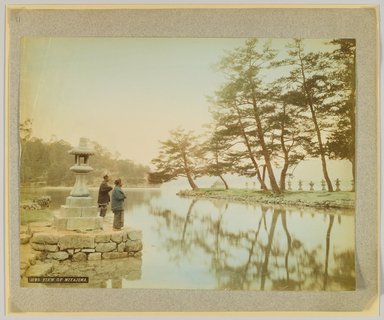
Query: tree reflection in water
x,y
258,258
328,240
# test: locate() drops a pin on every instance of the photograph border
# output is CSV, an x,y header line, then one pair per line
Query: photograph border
x,y
21,21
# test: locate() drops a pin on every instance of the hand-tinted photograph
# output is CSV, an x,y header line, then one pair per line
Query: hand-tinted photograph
x,y
187,163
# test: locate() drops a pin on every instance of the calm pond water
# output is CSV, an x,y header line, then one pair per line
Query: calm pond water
x,y
215,244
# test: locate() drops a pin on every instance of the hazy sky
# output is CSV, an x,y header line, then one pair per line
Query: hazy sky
x,y
125,93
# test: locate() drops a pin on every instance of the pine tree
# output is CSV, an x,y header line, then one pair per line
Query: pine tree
x,y
180,156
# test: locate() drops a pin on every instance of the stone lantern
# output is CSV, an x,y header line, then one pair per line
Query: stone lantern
x,y
79,211
81,168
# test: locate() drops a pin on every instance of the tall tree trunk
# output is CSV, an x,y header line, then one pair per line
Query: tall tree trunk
x,y
250,153
317,128
265,151
352,118
321,150
353,173
264,171
225,182
188,173
254,162
219,175
191,182
283,173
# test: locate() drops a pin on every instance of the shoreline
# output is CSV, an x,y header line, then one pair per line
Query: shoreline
x,y
89,187
315,199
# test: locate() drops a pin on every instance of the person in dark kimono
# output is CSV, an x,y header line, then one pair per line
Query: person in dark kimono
x,y
103,198
118,197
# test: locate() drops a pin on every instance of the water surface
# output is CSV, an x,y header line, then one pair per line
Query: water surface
x,y
216,244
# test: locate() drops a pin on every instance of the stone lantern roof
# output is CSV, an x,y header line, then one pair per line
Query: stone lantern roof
x,y
83,148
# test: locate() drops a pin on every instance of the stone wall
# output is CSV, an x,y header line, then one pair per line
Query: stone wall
x,y
87,246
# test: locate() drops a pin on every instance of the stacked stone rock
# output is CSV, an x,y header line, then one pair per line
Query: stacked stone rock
x,y
88,246
30,205
43,201
36,204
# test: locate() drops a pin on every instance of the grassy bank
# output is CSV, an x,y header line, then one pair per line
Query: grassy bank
x,y
342,199
28,216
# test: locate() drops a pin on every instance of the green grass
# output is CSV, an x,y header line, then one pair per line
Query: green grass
x,y
288,194
341,198
28,216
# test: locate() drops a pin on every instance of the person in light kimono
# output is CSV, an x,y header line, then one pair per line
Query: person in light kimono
x,y
118,198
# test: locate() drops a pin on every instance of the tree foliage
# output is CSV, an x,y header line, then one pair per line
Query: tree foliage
x,y
267,124
218,161
48,163
245,94
272,110
180,156
341,143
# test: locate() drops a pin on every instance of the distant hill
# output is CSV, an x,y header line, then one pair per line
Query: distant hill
x,y
47,164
